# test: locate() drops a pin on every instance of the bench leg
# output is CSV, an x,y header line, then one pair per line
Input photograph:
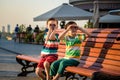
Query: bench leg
x,y
84,78
70,76
25,65
73,76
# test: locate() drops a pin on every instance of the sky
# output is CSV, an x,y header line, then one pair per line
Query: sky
x,y
14,12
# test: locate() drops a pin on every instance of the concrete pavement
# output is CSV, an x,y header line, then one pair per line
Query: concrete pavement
x,y
20,48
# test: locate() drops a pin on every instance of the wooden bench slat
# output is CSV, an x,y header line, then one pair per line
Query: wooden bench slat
x,y
102,40
101,45
95,50
102,30
61,54
104,35
101,60
92,65
89,72
108,56
99,50
62,46
115,73
28,58
61,50
80,70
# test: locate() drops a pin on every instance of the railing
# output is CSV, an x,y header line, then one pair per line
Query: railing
x,y
71,1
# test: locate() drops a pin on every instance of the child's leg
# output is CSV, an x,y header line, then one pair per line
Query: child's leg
x,y
40,68
63,64
56,77
39,73
54,67
47,69
48,61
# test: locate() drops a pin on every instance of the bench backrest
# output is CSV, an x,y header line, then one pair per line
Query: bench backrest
x,y
103,53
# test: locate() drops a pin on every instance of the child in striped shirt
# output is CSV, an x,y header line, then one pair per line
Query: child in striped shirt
x,y
49,51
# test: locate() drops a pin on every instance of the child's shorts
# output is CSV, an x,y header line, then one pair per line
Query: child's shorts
x,y
50,58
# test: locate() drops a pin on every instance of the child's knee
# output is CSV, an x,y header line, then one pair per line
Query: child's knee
x,y
52,66
46,64
38,70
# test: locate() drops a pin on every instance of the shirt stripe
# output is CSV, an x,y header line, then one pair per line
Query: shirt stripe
x,y
73,46
51,46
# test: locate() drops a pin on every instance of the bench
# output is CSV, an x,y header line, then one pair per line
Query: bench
x,y
99,55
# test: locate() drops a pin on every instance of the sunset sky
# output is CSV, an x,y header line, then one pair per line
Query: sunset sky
x,y
14,12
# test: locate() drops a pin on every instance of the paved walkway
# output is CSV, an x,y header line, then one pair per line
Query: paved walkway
x,y
22,48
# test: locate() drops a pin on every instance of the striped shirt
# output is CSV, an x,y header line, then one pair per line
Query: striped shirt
x,y
73,46
51,46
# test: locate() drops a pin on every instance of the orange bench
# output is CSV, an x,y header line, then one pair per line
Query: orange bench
x,y
99,55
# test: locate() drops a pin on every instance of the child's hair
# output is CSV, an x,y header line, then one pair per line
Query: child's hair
x,y
52,19
69,23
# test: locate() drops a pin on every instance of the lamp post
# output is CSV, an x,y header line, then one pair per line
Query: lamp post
x,y
96,14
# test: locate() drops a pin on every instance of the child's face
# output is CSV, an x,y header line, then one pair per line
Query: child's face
x,y
73,28
52,25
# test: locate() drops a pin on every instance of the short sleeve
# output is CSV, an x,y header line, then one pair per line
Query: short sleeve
x,y
82,37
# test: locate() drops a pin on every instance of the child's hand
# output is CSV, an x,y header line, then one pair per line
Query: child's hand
x,y
68,28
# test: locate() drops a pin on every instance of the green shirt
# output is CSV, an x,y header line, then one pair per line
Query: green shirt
x,y
73,46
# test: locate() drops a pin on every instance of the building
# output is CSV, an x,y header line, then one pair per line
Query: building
x,y
3,29
104,6
8,28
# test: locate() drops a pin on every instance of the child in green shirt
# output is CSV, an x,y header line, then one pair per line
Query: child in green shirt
x,y
72,55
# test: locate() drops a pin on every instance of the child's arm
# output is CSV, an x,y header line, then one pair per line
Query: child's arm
x,y
48,34
61,36
83,30
52,35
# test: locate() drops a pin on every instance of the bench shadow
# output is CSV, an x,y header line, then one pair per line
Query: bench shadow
x,y
86,49
102,53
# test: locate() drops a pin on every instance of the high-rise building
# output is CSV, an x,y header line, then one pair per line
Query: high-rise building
x,y
3,29
8,28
